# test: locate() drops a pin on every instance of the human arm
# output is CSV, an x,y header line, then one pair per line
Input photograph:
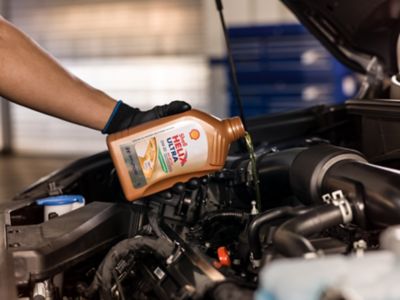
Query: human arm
x,y
31,77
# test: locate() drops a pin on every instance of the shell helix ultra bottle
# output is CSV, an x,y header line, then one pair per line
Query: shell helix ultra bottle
x,y
156,155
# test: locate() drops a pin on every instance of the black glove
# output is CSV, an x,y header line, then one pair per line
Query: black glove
x,y
124,116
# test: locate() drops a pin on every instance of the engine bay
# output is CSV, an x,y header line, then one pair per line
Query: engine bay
x,y
207,239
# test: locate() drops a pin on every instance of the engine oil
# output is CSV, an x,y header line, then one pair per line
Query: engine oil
x,y
253,170
156,155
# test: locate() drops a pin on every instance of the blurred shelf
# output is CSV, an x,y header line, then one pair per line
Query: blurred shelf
x,y
283,67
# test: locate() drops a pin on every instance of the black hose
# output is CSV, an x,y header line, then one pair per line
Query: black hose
x,y
223,215
102,281
290,239
201,229
154,222
375,190
265,217
310,167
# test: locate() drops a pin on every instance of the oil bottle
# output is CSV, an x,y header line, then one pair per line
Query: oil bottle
x,y
156,155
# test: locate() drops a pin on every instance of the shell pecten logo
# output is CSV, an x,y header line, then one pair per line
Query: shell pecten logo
x,y
194,134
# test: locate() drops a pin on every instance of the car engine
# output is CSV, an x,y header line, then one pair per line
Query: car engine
x,y
205,239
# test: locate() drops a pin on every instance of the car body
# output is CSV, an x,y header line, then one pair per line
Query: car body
x,y
328,177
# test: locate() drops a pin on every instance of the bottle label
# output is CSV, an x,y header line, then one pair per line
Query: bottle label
x,y
178,149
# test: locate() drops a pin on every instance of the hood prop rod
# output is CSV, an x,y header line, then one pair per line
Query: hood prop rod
x,y
232,65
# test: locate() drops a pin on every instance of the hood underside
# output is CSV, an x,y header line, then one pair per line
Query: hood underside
x,y
354,31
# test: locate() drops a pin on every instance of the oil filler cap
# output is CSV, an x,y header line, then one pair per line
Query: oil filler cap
x,y
58,205
61,200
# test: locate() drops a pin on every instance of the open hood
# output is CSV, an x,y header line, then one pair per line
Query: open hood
x,y
362,34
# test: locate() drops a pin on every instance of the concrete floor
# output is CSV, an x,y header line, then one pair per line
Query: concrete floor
x,y
18,172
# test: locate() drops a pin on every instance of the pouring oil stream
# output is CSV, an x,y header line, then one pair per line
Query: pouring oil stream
x,y
254,173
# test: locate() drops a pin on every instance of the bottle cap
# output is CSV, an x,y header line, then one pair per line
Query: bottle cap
x,y
61,200
235,128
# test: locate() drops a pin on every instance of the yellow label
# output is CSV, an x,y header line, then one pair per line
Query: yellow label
x,y
178,149
148,160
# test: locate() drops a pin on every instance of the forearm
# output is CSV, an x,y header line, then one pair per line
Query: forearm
x,y
31,77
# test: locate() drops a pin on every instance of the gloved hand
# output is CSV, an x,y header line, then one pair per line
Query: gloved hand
x,y
124,116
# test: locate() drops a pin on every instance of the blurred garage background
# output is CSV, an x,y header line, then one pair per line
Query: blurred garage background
x,y
149,52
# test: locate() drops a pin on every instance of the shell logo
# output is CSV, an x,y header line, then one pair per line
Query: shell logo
x,y
194,134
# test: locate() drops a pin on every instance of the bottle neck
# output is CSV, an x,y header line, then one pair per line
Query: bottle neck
x,y
234,128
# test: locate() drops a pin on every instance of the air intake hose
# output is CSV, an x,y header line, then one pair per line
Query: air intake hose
x,y
290,238
263,219
373,191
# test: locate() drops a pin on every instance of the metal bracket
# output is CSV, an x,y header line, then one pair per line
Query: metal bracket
x,y
256,263
373,78
359,247
54,189
338,199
